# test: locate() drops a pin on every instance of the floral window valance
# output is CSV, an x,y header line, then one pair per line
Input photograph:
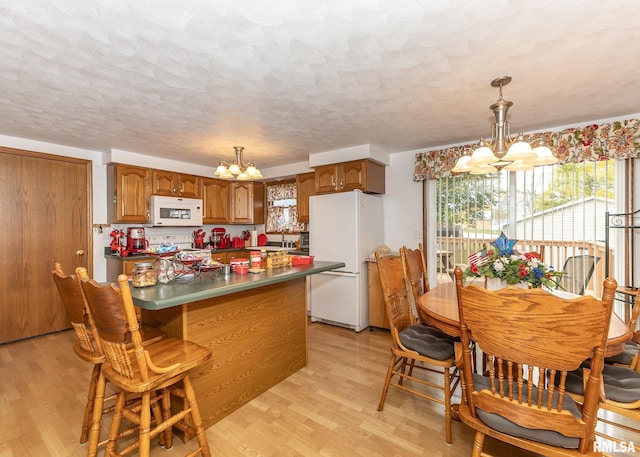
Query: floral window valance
x,y
615,140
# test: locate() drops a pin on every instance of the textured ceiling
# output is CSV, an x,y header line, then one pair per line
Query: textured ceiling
x,y
190,79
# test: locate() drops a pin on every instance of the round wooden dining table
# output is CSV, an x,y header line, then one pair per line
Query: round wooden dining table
x,y
439,307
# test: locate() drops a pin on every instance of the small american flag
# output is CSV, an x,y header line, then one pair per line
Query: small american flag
x,y
479,258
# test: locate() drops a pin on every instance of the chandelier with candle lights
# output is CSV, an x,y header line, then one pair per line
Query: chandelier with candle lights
x,y
238,169
503,152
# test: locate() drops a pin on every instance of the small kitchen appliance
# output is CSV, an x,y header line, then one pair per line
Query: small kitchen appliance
x,y
217,234
136,242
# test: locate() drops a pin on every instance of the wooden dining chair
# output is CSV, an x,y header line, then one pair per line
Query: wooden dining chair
x,y
87,345
620,395
629,356
415,272
531,336
141,370
414,346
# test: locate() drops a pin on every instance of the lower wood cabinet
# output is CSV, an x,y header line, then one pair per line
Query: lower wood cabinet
x,y
377,310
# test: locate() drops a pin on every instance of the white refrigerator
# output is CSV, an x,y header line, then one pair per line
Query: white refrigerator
x,y
344,227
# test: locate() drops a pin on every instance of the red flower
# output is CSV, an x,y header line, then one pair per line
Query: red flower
x,y
532,255
474,268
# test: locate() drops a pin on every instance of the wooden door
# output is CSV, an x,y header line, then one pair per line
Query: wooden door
x,y
352,176
46,217
326,179
130,188
215,200
164,183
305,187
189,186
241,202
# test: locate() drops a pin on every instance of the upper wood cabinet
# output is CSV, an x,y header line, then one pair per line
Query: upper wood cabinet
x,y
305,188
129,188
364,174
215,200
247,202
174,184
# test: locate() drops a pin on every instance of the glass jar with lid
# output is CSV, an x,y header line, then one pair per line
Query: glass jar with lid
x,y
165,270
143,275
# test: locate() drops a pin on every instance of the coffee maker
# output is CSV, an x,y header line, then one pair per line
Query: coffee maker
x,y
136,242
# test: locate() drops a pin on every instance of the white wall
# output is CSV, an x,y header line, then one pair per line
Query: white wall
x,y
402,203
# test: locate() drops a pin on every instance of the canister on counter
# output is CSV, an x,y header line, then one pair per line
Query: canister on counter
x,y
143,275
234,262
255,260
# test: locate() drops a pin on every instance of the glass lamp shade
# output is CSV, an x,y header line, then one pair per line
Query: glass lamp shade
x,y
482,169
253,172
462,165
243,176
519,165
520,150
221,170
234,168
482,156
226,175
544,156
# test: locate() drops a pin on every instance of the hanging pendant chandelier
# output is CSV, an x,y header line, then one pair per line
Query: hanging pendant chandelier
x,y
502,151
238,169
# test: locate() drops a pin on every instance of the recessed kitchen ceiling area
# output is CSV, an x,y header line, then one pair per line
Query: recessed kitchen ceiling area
x,y
190,80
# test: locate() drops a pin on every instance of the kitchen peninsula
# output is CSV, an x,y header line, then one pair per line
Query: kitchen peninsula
x,y
255,324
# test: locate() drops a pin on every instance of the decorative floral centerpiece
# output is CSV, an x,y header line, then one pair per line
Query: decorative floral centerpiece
x,y
513,268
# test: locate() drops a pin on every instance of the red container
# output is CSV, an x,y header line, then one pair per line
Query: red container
x,y
235,262
242,269
301,260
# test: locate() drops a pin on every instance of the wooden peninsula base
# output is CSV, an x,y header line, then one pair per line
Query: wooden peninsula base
x,y
258,338
256,329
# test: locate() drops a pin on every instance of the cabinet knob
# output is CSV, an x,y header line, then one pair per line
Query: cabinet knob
x,y
80,252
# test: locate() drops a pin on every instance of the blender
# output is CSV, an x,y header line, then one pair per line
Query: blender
x,y
136,242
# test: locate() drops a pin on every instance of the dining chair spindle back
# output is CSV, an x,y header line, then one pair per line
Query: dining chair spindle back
x,y
529,338
414,346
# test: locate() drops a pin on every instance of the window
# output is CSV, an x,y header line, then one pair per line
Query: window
x,y
282,214
559,209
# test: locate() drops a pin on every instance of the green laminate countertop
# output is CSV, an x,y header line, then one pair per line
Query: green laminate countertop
x,y
205,286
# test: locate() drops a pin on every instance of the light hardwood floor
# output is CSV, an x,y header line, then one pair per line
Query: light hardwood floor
x,y
327,409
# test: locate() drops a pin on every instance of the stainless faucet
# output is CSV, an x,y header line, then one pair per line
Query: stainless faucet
x,y
283,242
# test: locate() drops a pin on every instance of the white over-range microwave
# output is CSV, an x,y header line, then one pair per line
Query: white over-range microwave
x,y
175,211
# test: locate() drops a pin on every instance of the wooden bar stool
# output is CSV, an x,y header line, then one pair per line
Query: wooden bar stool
x,y
87,345
160,366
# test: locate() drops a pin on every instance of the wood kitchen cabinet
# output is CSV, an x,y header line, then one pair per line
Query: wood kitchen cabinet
x,y
129,188
116,266
247,202
174,184
215,200
305,188
364,174
226,256
377,310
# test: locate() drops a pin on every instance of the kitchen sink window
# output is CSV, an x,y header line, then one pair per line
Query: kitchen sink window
x,y
282,214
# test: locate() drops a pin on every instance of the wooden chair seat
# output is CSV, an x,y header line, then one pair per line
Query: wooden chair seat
x,y
184,355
